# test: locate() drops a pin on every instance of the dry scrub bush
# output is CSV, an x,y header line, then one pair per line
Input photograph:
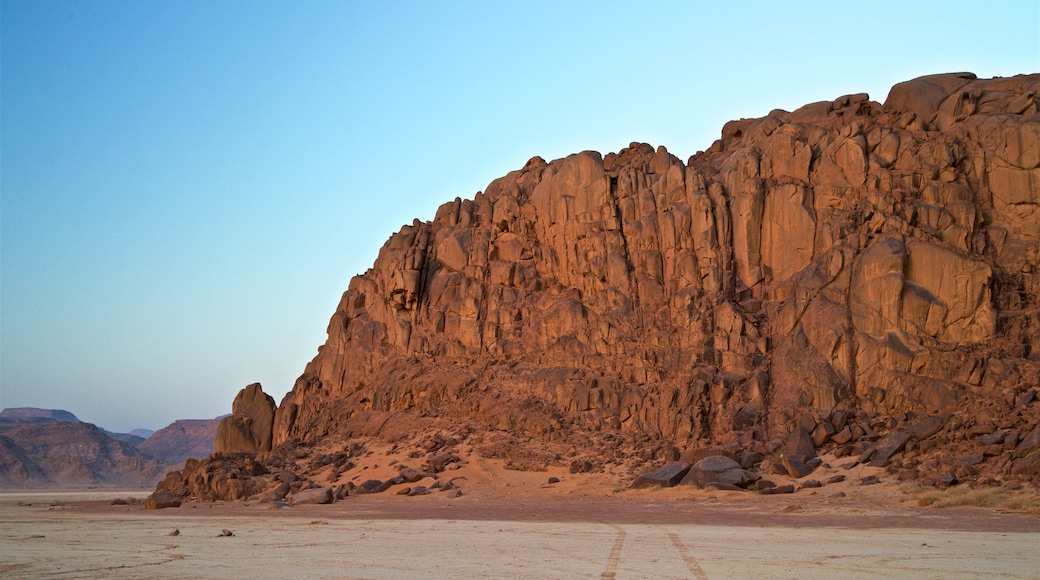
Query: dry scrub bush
x,y
1026,500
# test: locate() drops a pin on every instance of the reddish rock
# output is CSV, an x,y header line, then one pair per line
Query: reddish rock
x,y
249,428
822,434
928,426
1028,465
888,446
796,466
800,443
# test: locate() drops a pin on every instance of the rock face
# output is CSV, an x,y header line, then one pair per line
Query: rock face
x,y
249,428
181,440
837,272
66,454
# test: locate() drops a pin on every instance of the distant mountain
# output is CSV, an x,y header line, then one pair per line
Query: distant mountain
x,y
70,454
130,438
34,415
183,439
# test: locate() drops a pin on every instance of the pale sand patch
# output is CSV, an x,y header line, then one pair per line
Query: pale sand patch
x,y
646,534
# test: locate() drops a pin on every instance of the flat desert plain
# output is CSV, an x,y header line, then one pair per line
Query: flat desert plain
x,y
517,527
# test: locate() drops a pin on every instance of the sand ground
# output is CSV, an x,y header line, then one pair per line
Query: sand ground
x,y
513,534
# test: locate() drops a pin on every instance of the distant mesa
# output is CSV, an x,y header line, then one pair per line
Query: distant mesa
x,y
34,415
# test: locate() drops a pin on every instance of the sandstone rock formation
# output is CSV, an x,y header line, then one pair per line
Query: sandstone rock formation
x,y
249,428
181,440
856,276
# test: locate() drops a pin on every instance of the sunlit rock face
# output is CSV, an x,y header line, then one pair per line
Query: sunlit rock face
x,y
847,259
249,428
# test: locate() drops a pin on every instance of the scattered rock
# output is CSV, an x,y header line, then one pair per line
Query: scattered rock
x,y
928,426
796,466
800,443
718,469
779,489
749,459
668,475
869,480
410,475
318,495
162,499
888,446
553,480
174,532
225,533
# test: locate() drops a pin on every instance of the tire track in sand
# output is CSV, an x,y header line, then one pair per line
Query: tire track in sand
x,y
615,554
691,562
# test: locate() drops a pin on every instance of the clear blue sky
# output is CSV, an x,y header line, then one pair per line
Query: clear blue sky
x,y
188,187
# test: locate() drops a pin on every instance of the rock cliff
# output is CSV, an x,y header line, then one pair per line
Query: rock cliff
x,y
848,269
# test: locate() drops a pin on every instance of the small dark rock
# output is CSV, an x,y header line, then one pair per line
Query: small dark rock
x,y
557,480
668,475
749,459
869,480
777,490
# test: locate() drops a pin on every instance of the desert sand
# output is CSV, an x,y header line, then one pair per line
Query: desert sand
x,y
517,528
